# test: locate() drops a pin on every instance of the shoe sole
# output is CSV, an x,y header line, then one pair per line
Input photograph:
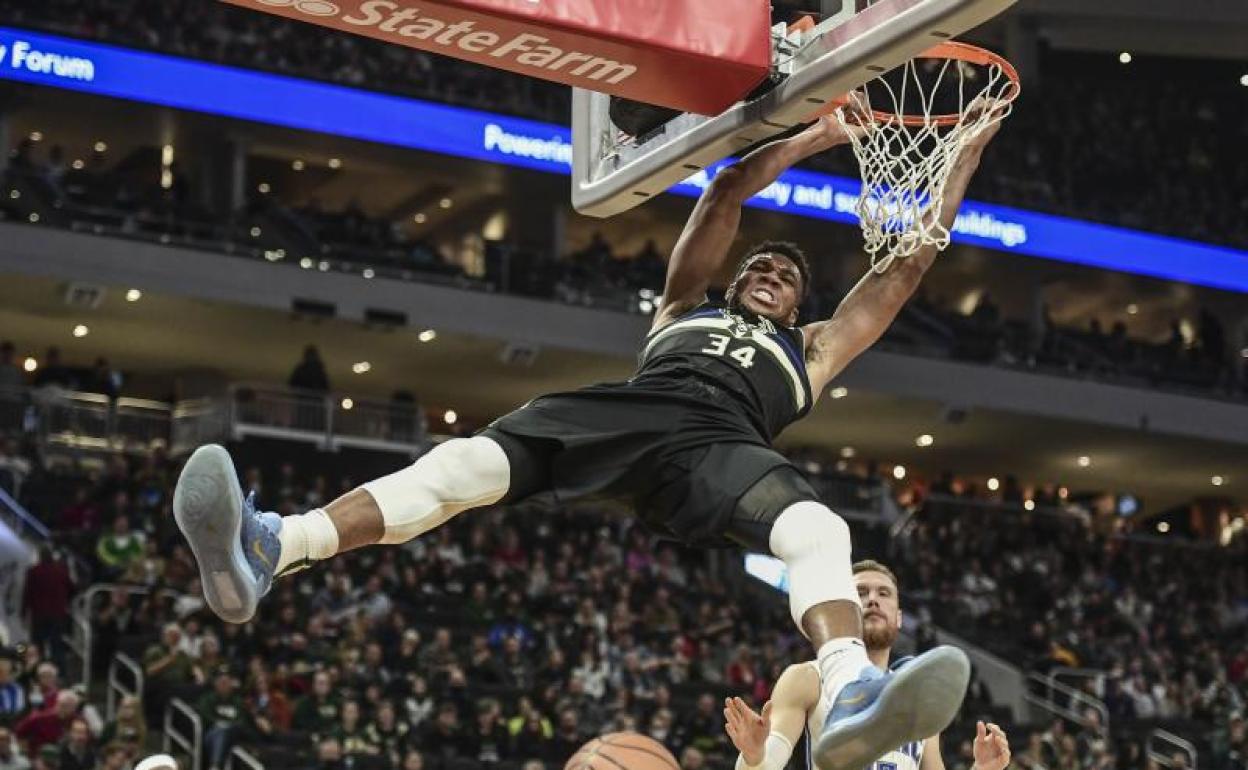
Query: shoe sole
x,y
207,504
920,702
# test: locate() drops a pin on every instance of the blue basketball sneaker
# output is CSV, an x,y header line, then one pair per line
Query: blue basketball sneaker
x,y
236,546
880,711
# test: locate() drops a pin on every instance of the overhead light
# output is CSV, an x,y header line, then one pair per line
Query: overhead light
x,y
134,295
1124,57
1029,505
33,217
78,165
646,306
848,452
101,147
30,364
446,203
994,484
1218,480
335,163
450,417
264,188
1133,309
925,440
15,194
297,165
361,367
1243,353
323,266
305,263
1243,81
81,330
1163,527
36,136
420,219
255,232
428,335
899,472
166,155
1085,461
369,272
839,392
348,404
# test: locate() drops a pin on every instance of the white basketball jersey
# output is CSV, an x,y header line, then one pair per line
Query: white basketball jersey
x,y
905,757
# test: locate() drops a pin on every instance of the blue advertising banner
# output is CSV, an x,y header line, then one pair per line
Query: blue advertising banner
x,y
94,68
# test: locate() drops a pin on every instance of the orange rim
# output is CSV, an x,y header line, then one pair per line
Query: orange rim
x,y
955,51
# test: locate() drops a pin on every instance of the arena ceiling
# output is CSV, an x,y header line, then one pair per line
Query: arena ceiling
x,y
206,343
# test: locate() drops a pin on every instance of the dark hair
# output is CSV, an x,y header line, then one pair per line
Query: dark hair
x,y
786,249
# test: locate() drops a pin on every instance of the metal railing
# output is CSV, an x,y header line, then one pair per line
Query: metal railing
x,y
241,759
125,678
81,640
192,745
1073,676
93,421
1043,693
1163,744
330,421
197,422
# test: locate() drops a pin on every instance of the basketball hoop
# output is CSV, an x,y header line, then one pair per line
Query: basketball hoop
x,y
919,118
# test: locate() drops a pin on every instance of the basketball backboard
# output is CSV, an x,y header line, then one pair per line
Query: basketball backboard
x,y
613,173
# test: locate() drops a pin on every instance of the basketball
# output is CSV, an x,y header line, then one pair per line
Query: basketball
x,y
622,751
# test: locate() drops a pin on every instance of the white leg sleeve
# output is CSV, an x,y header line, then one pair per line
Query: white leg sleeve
x,y
813,542
776,754
457,475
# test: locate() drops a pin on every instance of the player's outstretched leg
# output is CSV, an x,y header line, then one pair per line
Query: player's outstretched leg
x,y
240,549
873,712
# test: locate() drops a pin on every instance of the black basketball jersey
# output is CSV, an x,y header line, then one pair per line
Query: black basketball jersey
x,y
760,363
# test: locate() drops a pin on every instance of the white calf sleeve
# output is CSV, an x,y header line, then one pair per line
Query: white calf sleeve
x,y
457,475
813,542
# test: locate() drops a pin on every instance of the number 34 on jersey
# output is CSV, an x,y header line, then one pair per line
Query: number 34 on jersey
x,y
719,344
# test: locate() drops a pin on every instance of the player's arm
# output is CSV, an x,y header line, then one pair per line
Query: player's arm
x,y
870,307
766,740
701,253
932,759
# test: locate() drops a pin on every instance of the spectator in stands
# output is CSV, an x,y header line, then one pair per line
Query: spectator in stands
x,y
351,733
692,759
12,698
224,715
115,757
389,734
45,602
443,738
329,756
414,760
14,468
167,670
53,373
318,712
118,549
11,375
310,373
77,749
128,730
49,725
11,756
488,736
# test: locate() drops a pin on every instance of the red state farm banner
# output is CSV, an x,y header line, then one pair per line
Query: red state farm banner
x,y
692,55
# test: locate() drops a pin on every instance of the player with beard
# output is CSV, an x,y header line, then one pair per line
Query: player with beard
x,y
798,706
685,443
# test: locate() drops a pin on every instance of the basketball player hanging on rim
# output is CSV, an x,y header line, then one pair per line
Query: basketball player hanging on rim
x,y
686,441
799,706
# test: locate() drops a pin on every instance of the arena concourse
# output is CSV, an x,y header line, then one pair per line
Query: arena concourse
x,y
1050,453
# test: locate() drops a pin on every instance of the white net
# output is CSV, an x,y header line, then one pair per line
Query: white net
x,y
905,163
